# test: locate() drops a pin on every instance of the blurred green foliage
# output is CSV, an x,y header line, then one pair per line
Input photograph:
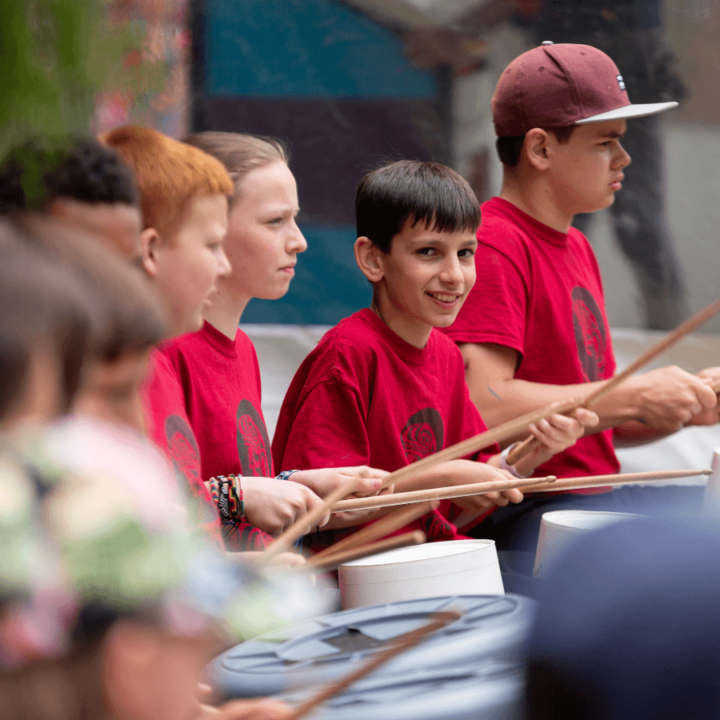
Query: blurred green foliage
x,y
56,55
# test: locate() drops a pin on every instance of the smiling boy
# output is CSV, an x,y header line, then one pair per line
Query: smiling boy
x,y
534,328
384,388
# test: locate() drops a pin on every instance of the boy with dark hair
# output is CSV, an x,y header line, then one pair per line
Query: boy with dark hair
x,y
383,387
82,182
534,329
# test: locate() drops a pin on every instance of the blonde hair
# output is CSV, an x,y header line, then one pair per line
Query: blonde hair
x,y
168,173
240,153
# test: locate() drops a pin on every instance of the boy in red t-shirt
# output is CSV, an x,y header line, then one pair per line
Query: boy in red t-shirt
x,y
534,329
183,196
383,387
218,365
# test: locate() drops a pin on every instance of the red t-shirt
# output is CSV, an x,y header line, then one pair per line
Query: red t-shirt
x,y
220,381
539,292
364,396
168,427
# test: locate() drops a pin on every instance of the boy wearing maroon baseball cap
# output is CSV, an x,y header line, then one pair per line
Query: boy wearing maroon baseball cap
x,y
533,329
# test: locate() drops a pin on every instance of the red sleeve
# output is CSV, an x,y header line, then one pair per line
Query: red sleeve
x,y
241,536
327,430
495,309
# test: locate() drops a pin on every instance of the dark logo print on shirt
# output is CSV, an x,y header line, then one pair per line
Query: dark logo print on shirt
x,y
423,434
590,334
184,451
252,441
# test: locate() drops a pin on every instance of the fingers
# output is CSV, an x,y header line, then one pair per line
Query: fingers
x,y
706,395
514,496
314,502
496,498
367,486
587,418
558,432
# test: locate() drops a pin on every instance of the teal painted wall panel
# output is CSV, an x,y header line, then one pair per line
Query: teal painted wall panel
x,y
304,48
327,287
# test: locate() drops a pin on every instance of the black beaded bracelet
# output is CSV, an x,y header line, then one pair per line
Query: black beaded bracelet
x,y
285,474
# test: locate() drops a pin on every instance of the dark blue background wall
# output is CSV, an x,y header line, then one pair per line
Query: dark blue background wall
x,y
336,87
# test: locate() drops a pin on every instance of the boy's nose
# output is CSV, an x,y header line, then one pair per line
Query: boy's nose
x,y
297,242
224,266
451,272
623,159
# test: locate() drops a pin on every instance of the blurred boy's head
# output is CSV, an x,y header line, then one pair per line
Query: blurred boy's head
x,y
627,627
46,331
128,320
559,113
183,196
81,182
416,226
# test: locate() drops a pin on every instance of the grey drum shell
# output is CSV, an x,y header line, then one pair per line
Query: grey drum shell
x,y
320,650
489,691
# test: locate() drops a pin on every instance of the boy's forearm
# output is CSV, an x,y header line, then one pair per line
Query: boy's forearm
x,y
508,399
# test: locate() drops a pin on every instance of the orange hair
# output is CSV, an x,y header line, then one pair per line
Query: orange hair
x,y
168,173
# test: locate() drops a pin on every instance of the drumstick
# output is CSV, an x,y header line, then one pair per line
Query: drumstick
x,y
441,493
402,643
416,537
578,483
303,524
379,529
480,441
530,444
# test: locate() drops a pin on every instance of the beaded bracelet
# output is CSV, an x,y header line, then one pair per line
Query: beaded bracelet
x,y
226,493
285,474
237,506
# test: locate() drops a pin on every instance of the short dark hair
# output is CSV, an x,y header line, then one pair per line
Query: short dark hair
x,y
510,148
417,192
38,171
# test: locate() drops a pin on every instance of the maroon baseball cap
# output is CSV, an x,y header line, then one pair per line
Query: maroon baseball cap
x,y
553,86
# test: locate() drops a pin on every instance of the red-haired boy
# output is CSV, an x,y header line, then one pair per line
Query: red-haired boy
x,y
183,196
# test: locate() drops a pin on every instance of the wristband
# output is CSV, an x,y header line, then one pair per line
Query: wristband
x,y
285,474
226,493
505,466
237,506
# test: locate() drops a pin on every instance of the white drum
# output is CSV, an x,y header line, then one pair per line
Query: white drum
x,y
711,502
559,528
455,567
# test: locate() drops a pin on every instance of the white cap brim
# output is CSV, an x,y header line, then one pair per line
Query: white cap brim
x,y
629,111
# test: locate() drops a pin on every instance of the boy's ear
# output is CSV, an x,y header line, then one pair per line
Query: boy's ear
x,y
535,148
150,242
369,259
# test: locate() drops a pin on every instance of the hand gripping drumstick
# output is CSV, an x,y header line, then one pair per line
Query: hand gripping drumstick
x,y
402,643
480,441
530,444
303,524
466,447
441,493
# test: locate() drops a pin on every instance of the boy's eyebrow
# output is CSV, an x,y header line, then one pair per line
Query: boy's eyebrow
x,y
613,135
437,241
